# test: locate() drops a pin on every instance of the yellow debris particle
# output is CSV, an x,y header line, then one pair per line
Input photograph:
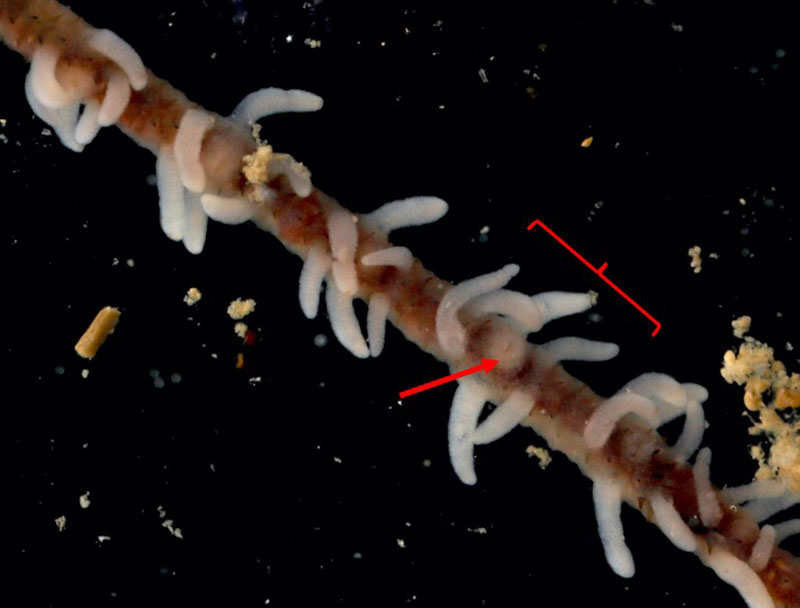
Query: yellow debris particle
x,y
256,165
773,396
103,326
587,142
697,261
240,329
741,326
61,523
192,296
541,453
239,309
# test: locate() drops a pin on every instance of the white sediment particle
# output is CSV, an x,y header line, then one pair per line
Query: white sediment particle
x,y
401,543
61,523
239,309
240,329
192,296
103,538
169,523
84,501
84,373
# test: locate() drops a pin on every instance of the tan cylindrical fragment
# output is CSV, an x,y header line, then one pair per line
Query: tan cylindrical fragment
x,y
93,338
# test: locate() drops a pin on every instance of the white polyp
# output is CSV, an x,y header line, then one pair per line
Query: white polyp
x,y
414,211
707,503
115,100
449,331
504,418
343,237
391,256
607,508
695,392
88,126
580,349
740,576
44,84
464,413
556,304
376,322
171,203
666,392
63,120
671,523
786,529
115,48
520,308
762,549
764,508
602,422
314,270
195,223
343,320
187,147
266,102
692,434
227,209
761,488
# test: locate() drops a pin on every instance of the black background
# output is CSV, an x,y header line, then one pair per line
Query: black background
x,y
317,471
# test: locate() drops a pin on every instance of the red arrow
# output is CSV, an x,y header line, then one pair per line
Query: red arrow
x,y
486,365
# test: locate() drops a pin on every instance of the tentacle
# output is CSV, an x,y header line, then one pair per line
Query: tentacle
x,y
265,102
316,266
187,147
449,331
298,175
115,48
171,203
88,126
376,322
602,422
63,120
43,82
468,402
762,549
741,576
195,223
556,304
504,418
671,523
580,349
761,488
692,434
764,508
414,211
607,507
666,392
707,503
228,210
115,99
786,529
343,320
530,313
400,257
343,237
